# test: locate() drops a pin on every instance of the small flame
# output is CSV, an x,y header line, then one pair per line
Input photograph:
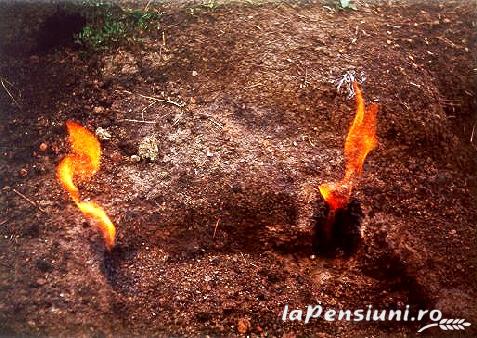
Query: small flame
x,y
360,141
82,163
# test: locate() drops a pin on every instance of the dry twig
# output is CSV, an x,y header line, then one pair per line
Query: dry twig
x,y
472,136
215,229
137,121
473,131
146,108
147,6
175,103
35,204
3,81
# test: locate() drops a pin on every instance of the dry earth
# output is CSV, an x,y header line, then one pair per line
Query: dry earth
x,y
214,236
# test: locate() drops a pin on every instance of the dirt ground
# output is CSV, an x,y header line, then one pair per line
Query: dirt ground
x,y
214,236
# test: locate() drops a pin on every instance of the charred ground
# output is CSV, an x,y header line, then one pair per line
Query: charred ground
x,y
215,236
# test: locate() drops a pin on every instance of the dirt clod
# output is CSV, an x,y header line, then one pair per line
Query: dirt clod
x,y
148,148
23,172
43,147
243,325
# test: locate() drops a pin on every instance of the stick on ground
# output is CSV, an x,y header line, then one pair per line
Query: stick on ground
x,y
216,226
35,204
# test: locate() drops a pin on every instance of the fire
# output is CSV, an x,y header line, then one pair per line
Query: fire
x,y
82,163
360,141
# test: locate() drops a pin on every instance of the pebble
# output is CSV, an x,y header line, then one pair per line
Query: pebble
x,y
41,281
43,147
23,172
243,325
103,134
98,110
135,158
148,148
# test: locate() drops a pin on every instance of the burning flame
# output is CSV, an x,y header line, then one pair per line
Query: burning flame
x,y
360,141
82,163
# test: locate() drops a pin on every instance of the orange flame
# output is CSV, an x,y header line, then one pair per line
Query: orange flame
x,y
360,141
82,163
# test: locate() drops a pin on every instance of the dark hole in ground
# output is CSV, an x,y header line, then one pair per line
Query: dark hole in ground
x,y
35,27
59,30
337,233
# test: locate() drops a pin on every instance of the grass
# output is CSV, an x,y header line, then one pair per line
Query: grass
x,y
208,5
109,24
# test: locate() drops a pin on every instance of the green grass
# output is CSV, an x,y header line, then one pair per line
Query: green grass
x,y
207,5
108,24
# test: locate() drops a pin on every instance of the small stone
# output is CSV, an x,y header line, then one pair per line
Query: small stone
x,y
243,325
23,172
148,148
194,73
98,110
103,134
209,153
135,158
43,147
41,281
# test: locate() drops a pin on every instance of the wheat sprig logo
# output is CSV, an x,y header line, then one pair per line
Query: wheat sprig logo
x,y
448,324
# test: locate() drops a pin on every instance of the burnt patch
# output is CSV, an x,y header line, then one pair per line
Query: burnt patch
x,y
113,264
337,232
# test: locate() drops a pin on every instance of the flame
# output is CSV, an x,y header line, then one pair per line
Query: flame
x,y
360,141
82,163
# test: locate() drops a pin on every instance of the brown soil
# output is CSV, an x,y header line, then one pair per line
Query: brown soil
x,y
242,160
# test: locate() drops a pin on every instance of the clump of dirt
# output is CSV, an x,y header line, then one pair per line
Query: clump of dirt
x,y
148,148
214,234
